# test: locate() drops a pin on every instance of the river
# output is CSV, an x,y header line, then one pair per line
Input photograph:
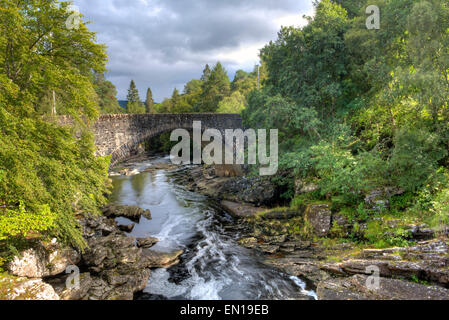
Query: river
x,y
214,266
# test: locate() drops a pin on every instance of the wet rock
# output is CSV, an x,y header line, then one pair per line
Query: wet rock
x,y
133,213
303,265
356,288
72,292
319,217
12,288
147,242
43,261
127,228
156,259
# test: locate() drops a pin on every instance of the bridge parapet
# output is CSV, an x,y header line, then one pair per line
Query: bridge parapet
x,y
119,135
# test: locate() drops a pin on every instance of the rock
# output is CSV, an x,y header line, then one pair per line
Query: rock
x,y
281,214
43,261
241,210
379,199
97,226
319,217
26,289
301,187
109,252
133,213
356,288
156,259
147,242
119,267
75,293
427,261
127,228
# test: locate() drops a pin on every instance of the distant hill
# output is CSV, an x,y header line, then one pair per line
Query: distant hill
x,y
123,103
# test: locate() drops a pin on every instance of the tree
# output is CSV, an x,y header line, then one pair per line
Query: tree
x,y
235,103
106,93
206,73
214,89
48,175
174,99
134,104
149,102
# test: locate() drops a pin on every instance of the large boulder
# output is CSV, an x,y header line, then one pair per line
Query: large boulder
x,y
118,267
147,242
12,288
156,259
356,288
241,210
132,213
43,261
72,293
319,218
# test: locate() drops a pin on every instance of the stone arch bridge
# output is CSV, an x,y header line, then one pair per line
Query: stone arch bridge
x,y
120,135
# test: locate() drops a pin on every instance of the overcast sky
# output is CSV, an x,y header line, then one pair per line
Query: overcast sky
x,y
162,44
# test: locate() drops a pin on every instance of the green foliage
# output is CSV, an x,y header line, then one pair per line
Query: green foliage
x,y
20,223
214,89
414,158
47,175
134,104
149,102
106,92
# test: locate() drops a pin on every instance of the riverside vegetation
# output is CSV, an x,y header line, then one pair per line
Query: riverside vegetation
x,y
363,122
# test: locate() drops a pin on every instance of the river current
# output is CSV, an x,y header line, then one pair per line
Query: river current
x,y
214,266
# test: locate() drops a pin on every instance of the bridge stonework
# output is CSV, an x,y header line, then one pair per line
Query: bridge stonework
x,y
120,135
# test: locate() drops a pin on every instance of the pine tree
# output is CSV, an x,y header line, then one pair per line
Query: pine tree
x,y
134,104
175,100
215,89
149,102
206,74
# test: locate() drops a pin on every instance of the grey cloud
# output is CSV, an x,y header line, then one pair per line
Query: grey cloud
x,y
165,43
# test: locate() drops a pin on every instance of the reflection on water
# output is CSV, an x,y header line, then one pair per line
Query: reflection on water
x,y
214,266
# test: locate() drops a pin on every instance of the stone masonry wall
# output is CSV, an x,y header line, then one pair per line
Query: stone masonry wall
x,y
120,135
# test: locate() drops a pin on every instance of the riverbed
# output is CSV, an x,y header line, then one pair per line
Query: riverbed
x,y
214,266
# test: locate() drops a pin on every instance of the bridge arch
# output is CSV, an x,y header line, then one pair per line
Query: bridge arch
x,y
120,135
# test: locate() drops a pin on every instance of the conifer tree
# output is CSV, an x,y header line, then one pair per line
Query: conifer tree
x,y
149,102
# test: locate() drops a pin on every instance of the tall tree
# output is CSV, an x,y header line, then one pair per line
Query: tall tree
x,y
149,102
47,175
206,73
175,99
134,104
107,93
214,89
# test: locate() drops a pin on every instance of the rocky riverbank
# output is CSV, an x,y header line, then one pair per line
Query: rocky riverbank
x,y
113,267
299,242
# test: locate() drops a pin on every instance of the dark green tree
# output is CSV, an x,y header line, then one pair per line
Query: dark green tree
x,y
149,102
214,89
134,104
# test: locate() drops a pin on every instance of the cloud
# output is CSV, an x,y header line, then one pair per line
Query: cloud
x,y
162,44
